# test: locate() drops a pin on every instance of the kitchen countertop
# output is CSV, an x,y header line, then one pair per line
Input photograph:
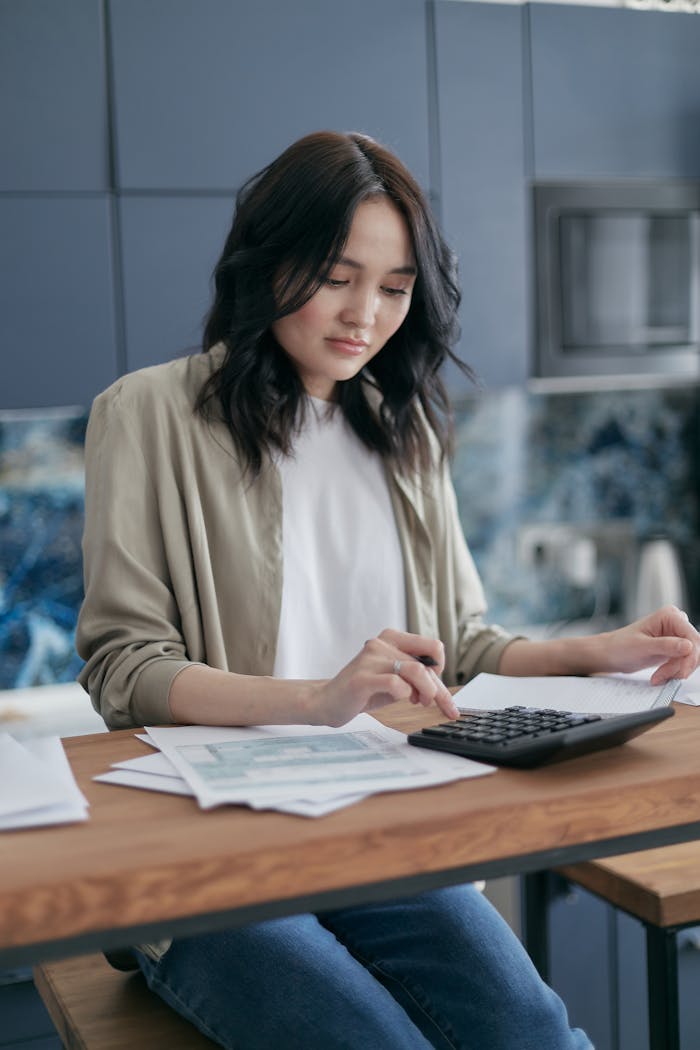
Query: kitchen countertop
x,y
48,710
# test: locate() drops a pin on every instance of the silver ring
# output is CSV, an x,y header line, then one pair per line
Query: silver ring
x,y
396,668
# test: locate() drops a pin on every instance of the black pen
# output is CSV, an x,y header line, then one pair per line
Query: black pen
x,y
427,661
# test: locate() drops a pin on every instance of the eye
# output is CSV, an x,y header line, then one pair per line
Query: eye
x,y
394,292
334,282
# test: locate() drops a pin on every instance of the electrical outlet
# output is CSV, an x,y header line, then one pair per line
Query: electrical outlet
x,y
574,550
542,544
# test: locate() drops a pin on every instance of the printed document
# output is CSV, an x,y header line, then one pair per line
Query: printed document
x,y
596,695
309,770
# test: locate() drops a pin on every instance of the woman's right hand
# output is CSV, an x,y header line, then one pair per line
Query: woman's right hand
x,y
385,670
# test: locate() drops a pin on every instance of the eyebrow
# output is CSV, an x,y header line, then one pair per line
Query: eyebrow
x,y
408,271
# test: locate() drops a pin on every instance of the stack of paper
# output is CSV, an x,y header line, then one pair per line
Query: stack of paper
x,y
307,770
598,695
37,784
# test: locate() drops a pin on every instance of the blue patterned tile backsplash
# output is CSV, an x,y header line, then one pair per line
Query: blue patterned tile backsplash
x,y
625,458
41,521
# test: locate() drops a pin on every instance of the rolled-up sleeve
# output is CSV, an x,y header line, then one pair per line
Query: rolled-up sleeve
x,y
128,629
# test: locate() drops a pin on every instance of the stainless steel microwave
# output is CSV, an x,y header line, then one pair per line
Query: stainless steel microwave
x,y
617,278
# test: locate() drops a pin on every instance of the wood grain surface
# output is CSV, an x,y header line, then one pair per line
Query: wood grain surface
x,y
660,886
93,1007
144,857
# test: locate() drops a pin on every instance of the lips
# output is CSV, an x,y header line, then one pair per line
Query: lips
x,y
348,346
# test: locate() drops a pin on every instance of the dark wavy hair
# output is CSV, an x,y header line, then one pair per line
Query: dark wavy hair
x,y
290,224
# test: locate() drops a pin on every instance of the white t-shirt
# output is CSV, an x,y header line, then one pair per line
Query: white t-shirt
x,y
343,571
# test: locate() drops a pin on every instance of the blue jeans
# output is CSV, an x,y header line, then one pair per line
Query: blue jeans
x,y
441,969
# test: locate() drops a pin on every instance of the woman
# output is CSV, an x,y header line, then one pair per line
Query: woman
x,y
271,537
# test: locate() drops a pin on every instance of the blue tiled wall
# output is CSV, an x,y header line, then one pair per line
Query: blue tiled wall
x,y
521,458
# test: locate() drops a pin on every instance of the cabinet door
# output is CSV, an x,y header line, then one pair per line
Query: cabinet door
x,y
580,963
615,92
209,91
479,80
632,984
629,955
56,300
53,116
169,248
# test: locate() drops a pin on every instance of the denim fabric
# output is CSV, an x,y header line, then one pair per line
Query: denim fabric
x,y
438,970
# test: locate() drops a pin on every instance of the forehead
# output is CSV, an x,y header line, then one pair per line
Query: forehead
x,y
379,233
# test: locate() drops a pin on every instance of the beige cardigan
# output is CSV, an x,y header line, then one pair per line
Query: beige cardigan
x,y
183,556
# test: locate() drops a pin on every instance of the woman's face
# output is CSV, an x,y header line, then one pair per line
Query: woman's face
x,y
362,303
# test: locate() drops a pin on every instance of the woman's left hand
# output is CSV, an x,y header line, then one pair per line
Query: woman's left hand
x,y
665,638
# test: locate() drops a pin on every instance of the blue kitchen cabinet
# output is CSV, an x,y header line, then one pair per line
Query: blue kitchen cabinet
x,y
26,1024
615,93
57,317
580,965
169,247
205,94
209,91
633,1027
479,64
53,112
597,964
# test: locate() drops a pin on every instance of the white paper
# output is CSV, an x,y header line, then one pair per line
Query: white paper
x,y
688,688
146,740
49,750
305,808
37,786
24,781
157,764
283,765
128,774
147,781
689,692
596,695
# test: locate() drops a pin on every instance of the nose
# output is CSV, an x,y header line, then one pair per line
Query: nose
x,y
360,307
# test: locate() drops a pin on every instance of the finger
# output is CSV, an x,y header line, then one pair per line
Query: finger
x,y
447,705
428,687
416,645
667,671
422,679
385,689
674,621
445,700
685,629
661,677
689,663
668,648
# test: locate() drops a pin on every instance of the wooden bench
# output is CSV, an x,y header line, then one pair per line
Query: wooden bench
x,y
660,888
95,1007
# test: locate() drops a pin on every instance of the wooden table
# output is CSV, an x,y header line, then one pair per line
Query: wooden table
x,y
147,865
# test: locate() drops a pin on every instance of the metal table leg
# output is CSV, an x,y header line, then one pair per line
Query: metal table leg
x,y
662,986
535,919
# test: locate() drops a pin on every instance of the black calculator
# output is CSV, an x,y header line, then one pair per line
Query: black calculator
x,y
531,736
